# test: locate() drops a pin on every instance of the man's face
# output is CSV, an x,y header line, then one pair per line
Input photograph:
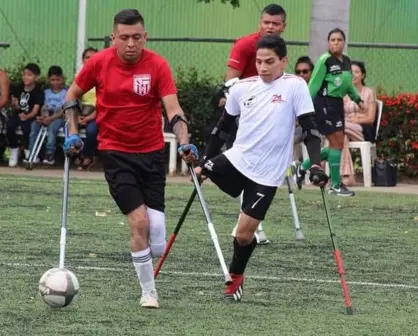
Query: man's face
x,y
303,70
129,41
269,66
272,24
29,78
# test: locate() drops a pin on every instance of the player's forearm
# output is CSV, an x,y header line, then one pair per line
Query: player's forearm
x,y
312,137
180,129
218,136
71,109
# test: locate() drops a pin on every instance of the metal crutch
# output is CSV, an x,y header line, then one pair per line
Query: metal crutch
x,y
43,132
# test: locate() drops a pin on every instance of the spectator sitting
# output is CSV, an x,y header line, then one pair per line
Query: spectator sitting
x,y
88,121
4,100
51,114
27,100
303,69
359,125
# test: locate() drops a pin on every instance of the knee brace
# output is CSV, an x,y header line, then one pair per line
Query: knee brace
x,y
156,232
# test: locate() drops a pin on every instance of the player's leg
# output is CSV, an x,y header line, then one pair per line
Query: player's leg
x,y
122,178
260,235
256,201
153,188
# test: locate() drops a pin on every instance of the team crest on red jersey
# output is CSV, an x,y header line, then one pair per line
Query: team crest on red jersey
x,y
142,84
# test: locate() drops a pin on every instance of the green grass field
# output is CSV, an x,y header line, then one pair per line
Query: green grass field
x,y
292,288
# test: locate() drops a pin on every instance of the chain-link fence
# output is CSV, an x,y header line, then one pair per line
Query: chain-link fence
x,y
389,66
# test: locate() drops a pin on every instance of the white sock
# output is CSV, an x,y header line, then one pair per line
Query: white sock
x,y
156,232
143,265
260,227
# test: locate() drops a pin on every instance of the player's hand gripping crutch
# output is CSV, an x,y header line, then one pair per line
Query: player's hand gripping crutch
x,y
296,222
211,228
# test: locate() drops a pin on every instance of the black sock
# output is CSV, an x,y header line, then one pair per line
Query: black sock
x,y
242,254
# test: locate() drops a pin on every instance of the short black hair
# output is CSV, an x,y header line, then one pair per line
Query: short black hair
x,y
34,68
128,17
306,60
336,30
87,50
274,9
275,43
362,67
55,70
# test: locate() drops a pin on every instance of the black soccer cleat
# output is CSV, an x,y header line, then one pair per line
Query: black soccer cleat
x,y
233,291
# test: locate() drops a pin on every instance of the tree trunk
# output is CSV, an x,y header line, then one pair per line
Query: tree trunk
x,y
325,16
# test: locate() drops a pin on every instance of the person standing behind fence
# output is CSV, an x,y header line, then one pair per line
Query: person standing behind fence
x,y
4,101
51,114
88,121
330,82
241,64
27,100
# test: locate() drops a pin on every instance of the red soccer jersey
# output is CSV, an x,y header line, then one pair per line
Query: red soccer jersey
x,y
243,53
128,99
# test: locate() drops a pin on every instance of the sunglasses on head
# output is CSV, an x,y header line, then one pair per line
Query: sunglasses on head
x,y
303,71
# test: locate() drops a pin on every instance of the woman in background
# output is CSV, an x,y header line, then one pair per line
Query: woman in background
x,y
359,124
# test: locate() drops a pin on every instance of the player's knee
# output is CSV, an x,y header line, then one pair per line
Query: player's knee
x,y
244,237
138,221
157,232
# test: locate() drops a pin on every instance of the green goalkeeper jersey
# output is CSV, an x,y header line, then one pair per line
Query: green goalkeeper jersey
x,y
332,78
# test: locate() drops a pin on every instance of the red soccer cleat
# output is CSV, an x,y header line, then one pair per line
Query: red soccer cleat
x,y
233,292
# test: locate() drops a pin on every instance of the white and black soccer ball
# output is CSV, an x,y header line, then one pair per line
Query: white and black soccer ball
x,y
58,287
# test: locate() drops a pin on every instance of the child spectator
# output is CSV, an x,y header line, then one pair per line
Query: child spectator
x,y
51,114
27,100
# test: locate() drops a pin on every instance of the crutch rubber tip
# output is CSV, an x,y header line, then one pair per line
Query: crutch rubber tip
x,y
299,235
349,311
228,280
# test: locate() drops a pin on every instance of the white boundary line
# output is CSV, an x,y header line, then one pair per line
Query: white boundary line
x,y
214,275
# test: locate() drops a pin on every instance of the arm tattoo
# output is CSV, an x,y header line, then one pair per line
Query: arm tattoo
x,y
181,131
71,118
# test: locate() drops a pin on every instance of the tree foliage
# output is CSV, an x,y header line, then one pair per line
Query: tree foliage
x,y
233,3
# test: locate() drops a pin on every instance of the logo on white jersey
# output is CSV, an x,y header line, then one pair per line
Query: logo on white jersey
x,y
142,84
277,99
250,101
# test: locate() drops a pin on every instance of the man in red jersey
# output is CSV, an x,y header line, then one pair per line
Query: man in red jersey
x,y
130,83
241,64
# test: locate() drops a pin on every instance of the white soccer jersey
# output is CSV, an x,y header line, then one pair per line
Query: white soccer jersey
x,y
263,147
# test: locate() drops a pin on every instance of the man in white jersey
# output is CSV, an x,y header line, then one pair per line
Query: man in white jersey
x,y
268,105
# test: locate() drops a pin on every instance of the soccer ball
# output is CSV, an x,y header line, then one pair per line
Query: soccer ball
x,y
58,287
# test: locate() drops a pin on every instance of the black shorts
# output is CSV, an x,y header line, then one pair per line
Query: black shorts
x,y
256,198
329,113
135,179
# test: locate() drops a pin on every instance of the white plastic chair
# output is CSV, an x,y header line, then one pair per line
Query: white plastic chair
x,y
368,149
